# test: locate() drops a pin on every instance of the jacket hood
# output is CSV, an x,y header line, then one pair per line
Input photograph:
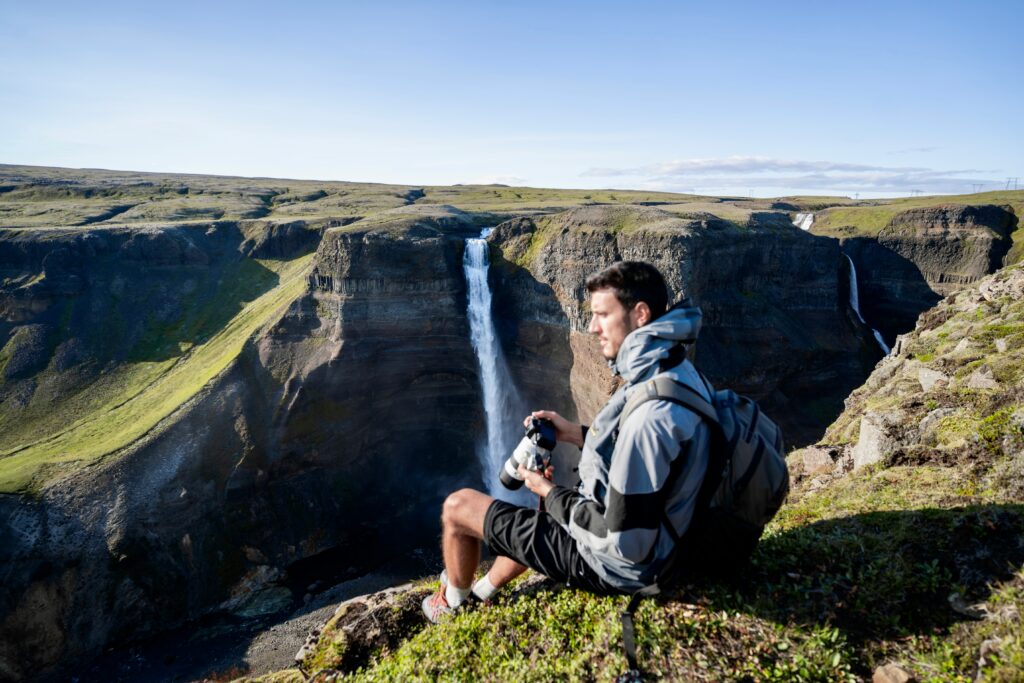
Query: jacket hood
x,y
644,347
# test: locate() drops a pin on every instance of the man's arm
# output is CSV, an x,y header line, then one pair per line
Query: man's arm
x,y
625,524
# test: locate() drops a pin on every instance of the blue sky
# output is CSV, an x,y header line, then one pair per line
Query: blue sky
x,y
756,98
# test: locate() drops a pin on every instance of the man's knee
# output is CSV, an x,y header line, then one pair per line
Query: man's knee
x,y
456,505
465,510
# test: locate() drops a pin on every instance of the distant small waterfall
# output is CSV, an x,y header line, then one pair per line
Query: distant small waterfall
x,y
804,221
501,401
855,304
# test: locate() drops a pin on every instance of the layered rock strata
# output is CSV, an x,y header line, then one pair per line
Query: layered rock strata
x,y
776,324
923,255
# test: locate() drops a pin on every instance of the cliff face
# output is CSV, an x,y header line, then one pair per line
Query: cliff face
x,y
346,414
923,255
775,317
378,375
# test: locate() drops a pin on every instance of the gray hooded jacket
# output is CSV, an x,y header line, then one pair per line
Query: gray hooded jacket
x,y
617,513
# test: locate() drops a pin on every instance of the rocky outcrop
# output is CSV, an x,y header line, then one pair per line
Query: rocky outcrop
x,y
951,393
776,324
923,255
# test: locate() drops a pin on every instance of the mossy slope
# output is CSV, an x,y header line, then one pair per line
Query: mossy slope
x,y
62,429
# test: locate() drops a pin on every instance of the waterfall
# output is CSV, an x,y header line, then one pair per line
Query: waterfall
x,y
501,401
855,304
804,221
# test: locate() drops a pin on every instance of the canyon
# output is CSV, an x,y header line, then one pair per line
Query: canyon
x,y
224,378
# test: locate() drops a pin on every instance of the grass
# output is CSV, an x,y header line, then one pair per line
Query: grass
x,y
624,220
845,580
868,218
52,197
940,331
128,403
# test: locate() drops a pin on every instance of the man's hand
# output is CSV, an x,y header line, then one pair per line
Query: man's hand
x,y
537,482
566,431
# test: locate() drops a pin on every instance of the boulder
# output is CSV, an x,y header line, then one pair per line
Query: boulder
x,y
891,673
929,378
817,460
982,378
876,440
926,429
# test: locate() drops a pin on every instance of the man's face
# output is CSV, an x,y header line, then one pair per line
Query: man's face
x,y
611,322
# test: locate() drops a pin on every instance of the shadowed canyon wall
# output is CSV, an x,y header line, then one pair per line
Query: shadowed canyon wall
x,y
344,419
923,255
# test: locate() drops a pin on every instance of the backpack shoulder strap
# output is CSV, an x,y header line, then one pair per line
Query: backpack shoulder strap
x,y
667,389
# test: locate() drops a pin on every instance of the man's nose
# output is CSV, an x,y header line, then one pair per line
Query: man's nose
x,y
592,328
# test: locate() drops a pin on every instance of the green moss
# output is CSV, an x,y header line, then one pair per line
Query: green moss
x,y
128,402
955,430
867,220
1000,424
545,230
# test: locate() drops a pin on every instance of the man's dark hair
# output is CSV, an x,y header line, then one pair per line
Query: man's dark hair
x,y
633,282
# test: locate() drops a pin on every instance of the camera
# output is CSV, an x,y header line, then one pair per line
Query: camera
x,y
533,451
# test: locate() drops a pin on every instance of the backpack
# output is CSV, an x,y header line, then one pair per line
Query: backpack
x,y
744,486
746,480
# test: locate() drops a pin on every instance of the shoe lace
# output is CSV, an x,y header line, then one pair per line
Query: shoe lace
x,y
439,600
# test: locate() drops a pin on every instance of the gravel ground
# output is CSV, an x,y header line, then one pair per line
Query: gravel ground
x,y
275,648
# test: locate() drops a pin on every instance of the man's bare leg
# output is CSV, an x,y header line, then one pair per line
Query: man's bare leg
x,y
462,519
462,529
504,570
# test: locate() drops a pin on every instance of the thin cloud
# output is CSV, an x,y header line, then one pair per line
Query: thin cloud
x,y
497,180
689,167
913,150
748,172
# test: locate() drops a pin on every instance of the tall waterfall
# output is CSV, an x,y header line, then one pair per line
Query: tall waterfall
x,y
501,401
855,304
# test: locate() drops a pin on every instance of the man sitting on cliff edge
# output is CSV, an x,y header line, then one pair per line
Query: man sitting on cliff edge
x,y
610,534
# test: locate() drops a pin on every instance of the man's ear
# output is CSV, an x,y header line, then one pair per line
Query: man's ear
x,y
641,314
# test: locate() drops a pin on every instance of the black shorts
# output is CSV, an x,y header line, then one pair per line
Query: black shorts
x,y
535,539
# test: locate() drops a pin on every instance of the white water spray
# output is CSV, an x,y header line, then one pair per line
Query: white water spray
x,y
855,304
804,221
500,397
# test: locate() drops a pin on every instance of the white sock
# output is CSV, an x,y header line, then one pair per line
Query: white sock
x,y
455,596
484,589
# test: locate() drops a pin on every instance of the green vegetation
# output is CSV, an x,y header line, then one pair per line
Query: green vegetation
x,y
846,579
869,217
49,198
125,404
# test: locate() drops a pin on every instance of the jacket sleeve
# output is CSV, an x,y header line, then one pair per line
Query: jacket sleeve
x,y
624,525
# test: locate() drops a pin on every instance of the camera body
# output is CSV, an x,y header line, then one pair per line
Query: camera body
x,y
533,452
